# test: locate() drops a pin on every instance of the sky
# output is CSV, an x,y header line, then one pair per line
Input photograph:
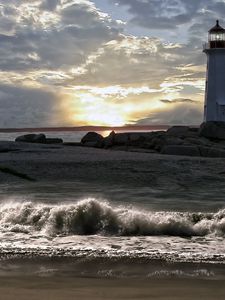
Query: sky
x,y
103,62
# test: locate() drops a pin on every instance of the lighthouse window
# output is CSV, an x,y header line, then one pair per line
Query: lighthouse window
x,y
217,37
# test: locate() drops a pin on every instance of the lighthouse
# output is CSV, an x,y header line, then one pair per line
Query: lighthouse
x,y
214,109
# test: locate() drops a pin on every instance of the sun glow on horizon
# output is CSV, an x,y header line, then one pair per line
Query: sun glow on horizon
x,y
98,112
120,105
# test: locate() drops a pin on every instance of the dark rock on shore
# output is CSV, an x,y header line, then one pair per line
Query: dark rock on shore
x,y
92,139
109,140
213,130
32,138
38,139
182,131
206,141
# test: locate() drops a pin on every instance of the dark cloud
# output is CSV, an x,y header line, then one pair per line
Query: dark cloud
x,y
24,107
163,14
183,114
179,100
60,40
187,20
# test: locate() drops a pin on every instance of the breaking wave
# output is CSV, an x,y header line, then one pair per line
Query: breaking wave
x,y
90,216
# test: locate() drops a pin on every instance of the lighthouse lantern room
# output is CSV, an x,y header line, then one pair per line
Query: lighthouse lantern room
x,y
214,109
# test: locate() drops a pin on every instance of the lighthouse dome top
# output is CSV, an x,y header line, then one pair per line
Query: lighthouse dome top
x,y
216,39
217,28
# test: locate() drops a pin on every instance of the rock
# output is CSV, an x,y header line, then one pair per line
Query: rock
x,y
92,139
211,152
53,141
182,131
109,140
181,150
32,138
215,152
200,141
158,143
213,130
204,151
121,138
130,138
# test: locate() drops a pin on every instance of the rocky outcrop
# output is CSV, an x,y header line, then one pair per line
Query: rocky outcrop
x,y
213,130
32,138
109,140
38,139
208,141
183,131
92,139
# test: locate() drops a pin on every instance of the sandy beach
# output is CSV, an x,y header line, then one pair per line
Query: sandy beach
x,y
99,289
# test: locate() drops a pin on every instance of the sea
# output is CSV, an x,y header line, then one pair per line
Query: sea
x,y
111,231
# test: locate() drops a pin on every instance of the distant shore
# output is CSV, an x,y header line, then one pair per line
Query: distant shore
x,y
86,128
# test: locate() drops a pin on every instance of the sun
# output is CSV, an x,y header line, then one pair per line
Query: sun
x,y
97,111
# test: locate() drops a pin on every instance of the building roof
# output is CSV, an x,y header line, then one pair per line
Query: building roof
x,y
217,28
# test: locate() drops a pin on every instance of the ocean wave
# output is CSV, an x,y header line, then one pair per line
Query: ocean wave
x,y
90,217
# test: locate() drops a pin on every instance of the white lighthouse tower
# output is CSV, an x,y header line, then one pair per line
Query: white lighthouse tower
x,y
215,82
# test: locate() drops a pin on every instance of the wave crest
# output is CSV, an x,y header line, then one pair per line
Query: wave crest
x,y
90,216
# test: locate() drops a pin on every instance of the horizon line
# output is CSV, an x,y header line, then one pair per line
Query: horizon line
x,y
88,128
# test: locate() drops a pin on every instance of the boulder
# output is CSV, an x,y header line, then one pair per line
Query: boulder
x,y
109,140
200,141
121,138
213,130
32,138
92,139
161,141
182,131
181,150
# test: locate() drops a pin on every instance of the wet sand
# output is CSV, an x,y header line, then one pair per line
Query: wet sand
x,y
35,288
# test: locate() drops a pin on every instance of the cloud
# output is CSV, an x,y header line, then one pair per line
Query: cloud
x,y
50,5
58,38
24,107
54,49
167,14
181,114
179,100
